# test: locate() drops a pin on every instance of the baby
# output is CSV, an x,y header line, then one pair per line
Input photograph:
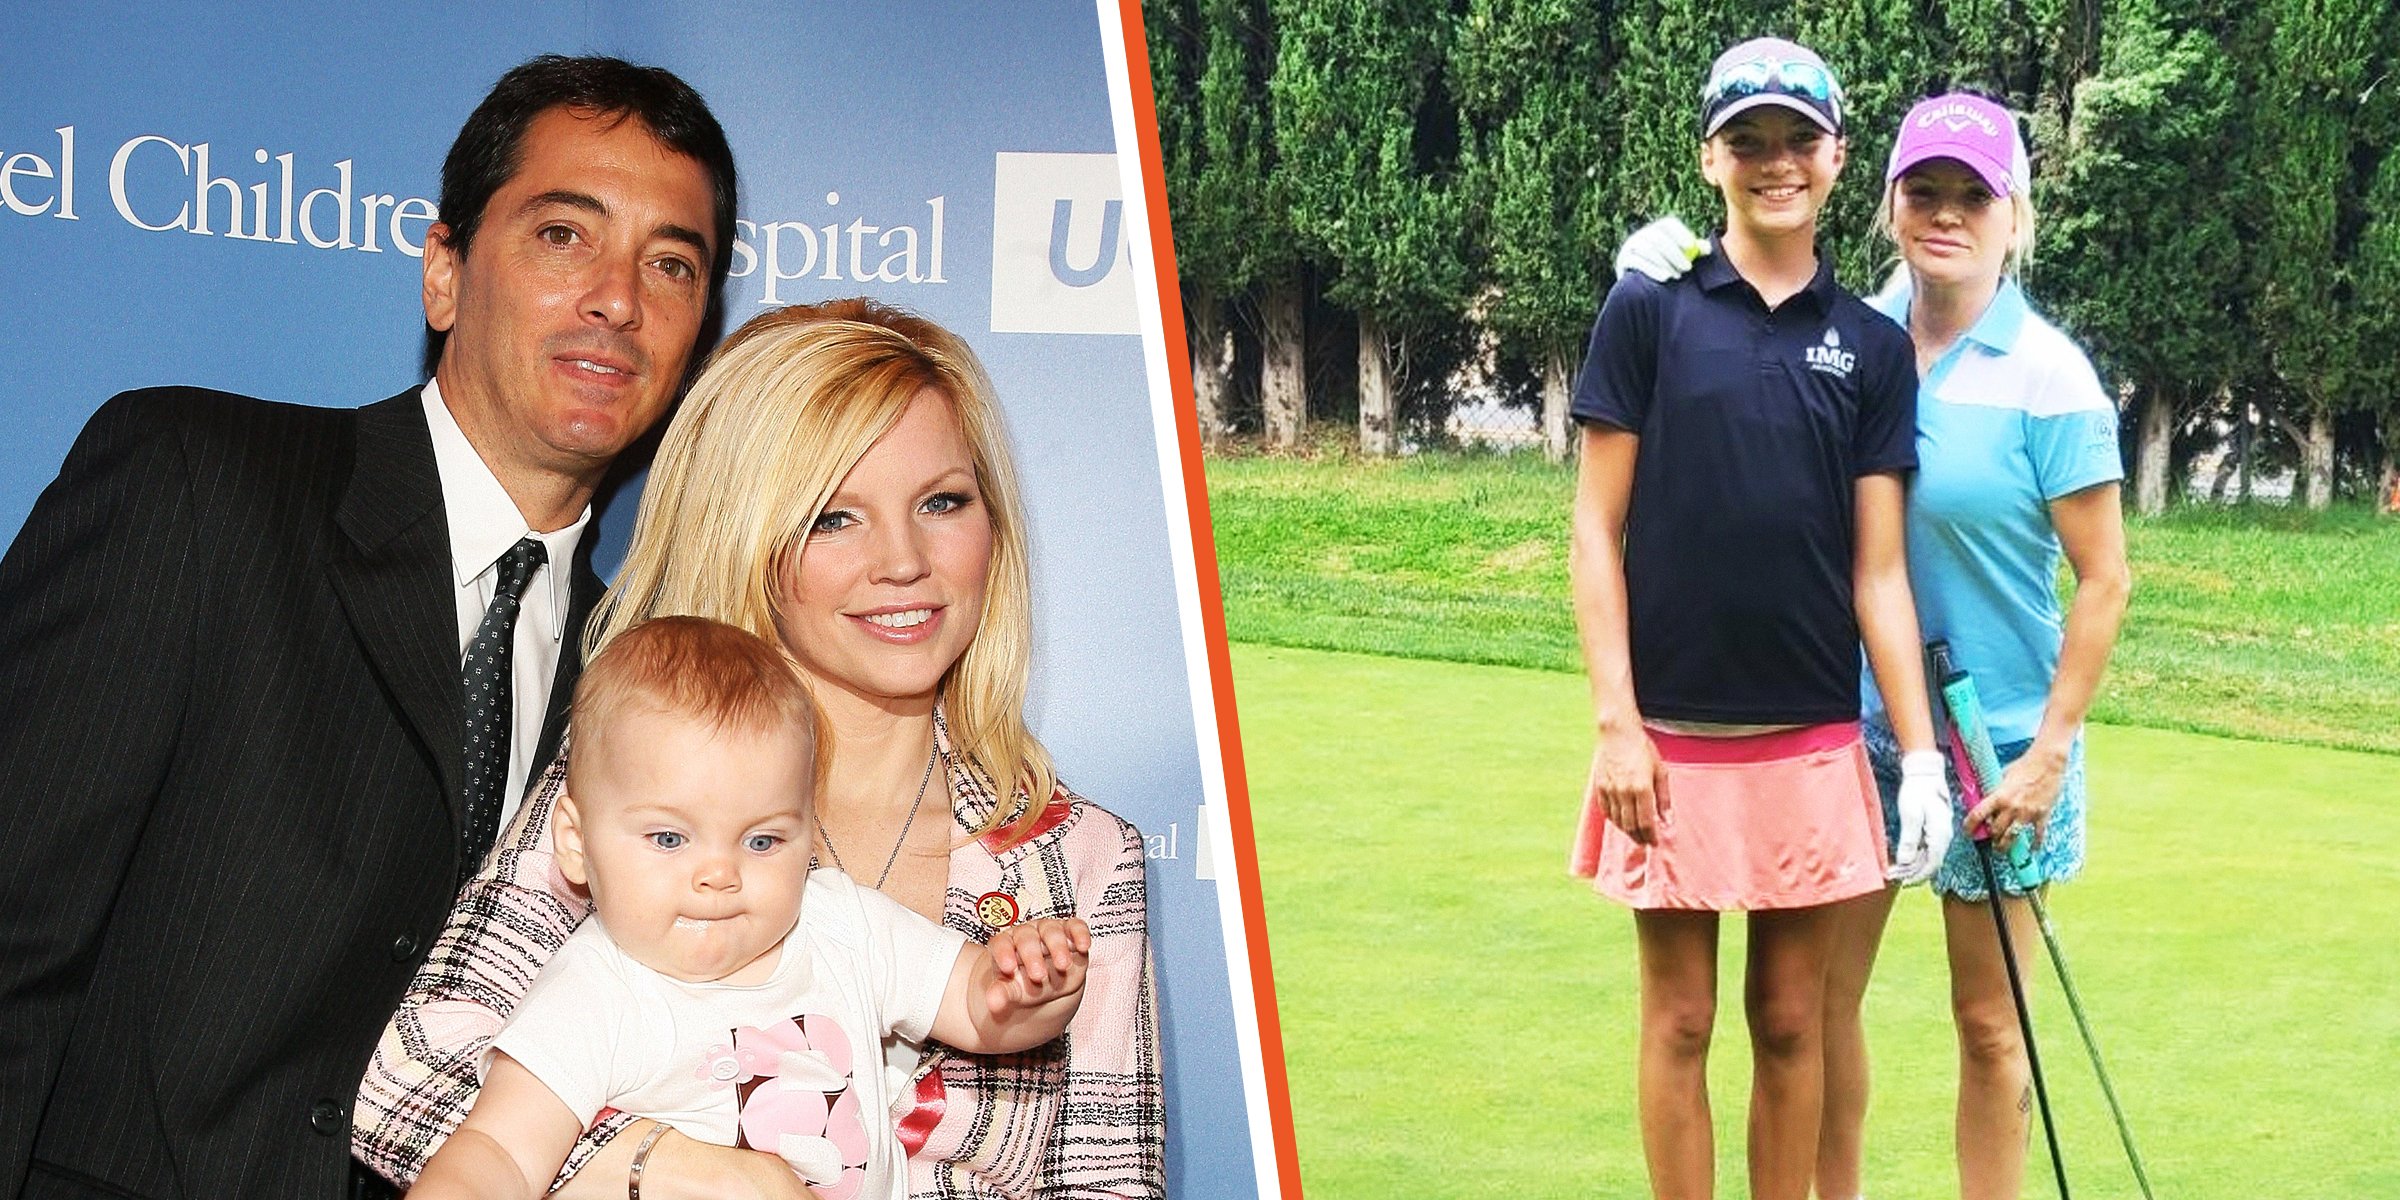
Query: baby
x,y
720,987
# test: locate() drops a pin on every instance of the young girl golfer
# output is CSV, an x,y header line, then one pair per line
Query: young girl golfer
x,y
1745,430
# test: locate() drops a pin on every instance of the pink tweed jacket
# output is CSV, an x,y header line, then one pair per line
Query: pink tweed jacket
x,y
1081,1116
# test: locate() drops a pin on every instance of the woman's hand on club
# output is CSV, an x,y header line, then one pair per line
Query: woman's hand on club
x,y
2028,790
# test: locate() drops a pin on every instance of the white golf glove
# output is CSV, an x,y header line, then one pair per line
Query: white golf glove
x,y
1663,250
1926,819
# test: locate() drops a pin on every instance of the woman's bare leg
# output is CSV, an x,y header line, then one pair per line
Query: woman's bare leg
x,y
1995,1084
1784,993
1679,1011
1841,1139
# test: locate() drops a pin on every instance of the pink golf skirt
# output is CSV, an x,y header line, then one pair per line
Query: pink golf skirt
x,y
1775,820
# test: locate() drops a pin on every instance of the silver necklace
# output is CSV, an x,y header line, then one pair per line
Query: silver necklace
x,y
932,757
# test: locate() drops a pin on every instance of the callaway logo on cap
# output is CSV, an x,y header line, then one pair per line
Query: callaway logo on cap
x,y
1978,133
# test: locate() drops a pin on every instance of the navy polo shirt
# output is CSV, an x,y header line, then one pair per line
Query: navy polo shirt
x,y
1755,425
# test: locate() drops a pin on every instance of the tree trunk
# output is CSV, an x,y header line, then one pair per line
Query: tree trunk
x,y
1212,358
1283,377
2151,460
1554,405
2388,482
1375,402
2316,461
2245,446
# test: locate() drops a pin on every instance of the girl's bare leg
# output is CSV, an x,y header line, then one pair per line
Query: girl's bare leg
x,y
1841,1140
1679,1011
1784,992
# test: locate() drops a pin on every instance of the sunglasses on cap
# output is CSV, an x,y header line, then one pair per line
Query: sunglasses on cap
x,y
1768,77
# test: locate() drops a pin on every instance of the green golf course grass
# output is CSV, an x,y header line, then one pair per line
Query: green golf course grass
x,y
2256,622
1458,1015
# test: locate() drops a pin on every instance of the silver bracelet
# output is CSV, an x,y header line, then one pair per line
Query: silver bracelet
x,y
641,1160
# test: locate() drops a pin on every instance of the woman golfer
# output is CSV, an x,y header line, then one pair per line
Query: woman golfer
x,y
2017,461
1737,534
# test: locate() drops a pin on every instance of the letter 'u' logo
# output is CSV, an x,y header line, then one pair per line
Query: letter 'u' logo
x,y
1063,245
1062,221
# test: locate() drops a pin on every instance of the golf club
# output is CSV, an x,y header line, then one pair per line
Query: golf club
x,y
1972,742
2083,1025
1979,768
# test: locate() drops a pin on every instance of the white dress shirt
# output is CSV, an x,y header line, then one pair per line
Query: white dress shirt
x,y
484,523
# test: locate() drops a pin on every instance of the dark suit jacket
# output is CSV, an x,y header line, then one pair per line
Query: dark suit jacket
x,y
230,767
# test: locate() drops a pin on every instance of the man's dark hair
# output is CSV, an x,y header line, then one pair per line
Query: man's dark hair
x,y
490,147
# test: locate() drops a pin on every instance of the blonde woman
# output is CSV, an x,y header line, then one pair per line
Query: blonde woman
x,y
838,480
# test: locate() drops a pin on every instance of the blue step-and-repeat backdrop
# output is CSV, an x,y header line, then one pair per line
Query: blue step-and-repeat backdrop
x,y
235,195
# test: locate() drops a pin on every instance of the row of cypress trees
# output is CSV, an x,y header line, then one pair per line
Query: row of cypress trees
x,y
1381,205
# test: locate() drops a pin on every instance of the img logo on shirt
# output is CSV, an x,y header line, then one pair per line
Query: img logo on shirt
x,y
1829,356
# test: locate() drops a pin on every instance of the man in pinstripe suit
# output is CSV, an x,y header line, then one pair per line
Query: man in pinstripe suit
x,y
231,633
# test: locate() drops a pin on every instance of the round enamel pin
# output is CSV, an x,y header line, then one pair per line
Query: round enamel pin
x,y
997,909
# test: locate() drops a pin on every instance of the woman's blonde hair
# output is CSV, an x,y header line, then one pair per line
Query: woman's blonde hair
x,y
2020,204
782,411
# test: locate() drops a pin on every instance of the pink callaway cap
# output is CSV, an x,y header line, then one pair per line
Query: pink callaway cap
x,y
1978,132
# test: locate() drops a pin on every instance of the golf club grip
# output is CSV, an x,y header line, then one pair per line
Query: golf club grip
x,y
1965,707
1966,716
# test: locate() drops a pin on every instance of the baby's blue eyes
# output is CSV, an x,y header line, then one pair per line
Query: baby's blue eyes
x,y
756,843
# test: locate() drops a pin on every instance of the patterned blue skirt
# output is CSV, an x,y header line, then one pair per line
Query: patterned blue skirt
x,y
2058,856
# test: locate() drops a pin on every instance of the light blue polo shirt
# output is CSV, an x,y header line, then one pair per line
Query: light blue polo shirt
x,y
2011,417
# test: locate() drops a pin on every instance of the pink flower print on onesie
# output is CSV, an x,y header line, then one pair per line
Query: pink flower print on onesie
x,y
799,1103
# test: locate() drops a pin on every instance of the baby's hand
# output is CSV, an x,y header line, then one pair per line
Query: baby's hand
x,y
1017,990
1035,963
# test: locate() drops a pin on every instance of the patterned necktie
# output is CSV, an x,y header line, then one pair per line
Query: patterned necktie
x,y
490,715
